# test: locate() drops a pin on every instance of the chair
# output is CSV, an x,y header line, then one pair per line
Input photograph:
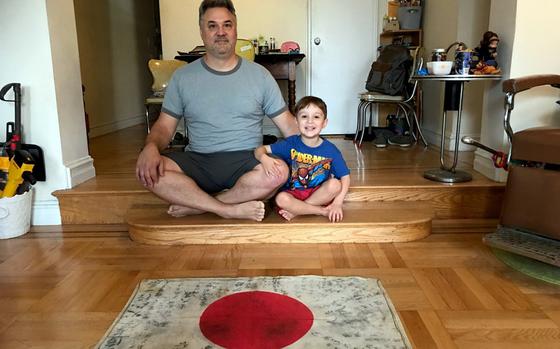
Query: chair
x,y
405,103
529,220
245,49
161,72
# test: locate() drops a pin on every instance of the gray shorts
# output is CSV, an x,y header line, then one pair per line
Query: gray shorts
x,y
215,172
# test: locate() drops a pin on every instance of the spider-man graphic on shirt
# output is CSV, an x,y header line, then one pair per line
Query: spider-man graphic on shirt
x,y
309,167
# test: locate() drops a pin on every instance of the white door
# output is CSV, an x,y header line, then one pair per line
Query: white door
x,y
343,41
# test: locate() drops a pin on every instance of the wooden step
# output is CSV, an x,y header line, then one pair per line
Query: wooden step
x,y
364,222
106,199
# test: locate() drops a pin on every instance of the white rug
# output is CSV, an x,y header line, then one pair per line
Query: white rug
x,y
261,312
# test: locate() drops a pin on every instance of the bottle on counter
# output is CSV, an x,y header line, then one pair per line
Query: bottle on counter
x,y
439,55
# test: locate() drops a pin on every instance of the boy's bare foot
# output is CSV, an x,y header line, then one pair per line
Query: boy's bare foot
x,y
247,210
181,211
287,215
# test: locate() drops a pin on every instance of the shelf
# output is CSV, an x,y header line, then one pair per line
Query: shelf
x,y
410,37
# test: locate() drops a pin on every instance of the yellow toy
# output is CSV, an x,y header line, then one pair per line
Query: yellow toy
x,y
21,168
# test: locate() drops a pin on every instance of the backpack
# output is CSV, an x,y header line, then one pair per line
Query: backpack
x,y
390,72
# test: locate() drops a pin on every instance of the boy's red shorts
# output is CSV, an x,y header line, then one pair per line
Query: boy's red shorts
x,y
301,194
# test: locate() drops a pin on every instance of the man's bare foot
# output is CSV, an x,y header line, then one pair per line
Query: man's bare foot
x,y
287,215
181,211
247,210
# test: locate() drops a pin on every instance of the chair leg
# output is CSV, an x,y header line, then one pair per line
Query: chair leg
x,y
370,123
407,118
359,123
415,118
147,117
363,125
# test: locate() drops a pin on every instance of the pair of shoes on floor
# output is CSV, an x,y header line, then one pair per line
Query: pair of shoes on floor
x,y
382,135
401,140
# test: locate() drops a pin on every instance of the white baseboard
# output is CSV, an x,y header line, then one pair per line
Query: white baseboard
x,y
103,129
484,165
45,212
434,138
79,171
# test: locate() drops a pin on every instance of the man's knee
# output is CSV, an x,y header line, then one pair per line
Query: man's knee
x,y
170,165
275,182
172,174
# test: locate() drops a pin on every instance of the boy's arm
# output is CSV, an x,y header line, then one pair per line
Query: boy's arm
x,y
345,181
271,165
262,150
335,212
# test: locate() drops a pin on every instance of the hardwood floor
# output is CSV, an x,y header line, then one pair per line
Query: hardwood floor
x,y
61,287
63,290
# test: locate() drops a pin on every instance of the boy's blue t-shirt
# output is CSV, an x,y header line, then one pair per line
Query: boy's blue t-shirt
x,y
310,167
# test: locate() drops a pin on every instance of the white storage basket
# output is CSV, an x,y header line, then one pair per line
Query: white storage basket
x,y
15,215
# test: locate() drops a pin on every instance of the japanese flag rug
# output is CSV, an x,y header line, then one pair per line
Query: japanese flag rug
x,y
258,312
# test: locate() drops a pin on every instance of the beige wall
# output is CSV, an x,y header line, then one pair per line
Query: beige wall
x,y
536,50
528,45
115,44
447,21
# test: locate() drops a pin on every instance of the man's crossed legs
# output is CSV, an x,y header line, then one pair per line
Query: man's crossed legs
x,y
190,197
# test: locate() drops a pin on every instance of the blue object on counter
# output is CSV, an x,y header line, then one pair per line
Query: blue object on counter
x,y
422,72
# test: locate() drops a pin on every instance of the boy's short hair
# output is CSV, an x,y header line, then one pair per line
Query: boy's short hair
x,y
205,5
307,100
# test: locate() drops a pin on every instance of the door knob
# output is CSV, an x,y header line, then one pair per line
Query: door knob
x,y
317,41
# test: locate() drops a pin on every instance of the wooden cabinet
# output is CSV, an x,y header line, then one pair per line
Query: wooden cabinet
x,y
409,37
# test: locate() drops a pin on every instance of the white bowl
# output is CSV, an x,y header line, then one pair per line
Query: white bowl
x,y
439,68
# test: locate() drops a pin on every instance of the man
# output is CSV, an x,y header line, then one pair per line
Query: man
x,y
224,99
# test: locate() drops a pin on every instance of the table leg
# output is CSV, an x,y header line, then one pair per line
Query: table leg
x,y
291,95
444,173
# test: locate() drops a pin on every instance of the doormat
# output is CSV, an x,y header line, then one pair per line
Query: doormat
x,y
260,312
528,266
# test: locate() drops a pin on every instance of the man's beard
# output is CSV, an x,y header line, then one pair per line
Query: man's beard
x,y
221,46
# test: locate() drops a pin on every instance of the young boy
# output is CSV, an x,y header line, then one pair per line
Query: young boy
x,y
319,178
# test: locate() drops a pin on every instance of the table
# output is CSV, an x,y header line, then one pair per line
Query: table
x,y
282,66
453,100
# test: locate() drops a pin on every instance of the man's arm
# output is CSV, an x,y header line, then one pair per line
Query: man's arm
x,y
286,122
162,131
150,163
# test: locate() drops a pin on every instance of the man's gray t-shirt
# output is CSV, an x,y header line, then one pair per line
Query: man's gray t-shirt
x,y
224,110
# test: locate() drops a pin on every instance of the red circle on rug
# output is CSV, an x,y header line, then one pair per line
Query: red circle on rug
x,y
255,319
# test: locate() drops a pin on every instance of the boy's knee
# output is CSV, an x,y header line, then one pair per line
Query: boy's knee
x,y
281,199
333,186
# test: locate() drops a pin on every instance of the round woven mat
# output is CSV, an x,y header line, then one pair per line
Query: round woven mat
x,y
528,266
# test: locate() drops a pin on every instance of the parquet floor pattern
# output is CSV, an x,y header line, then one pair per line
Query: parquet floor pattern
x,y
63,289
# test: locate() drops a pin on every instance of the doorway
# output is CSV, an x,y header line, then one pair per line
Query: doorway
x,y
116,39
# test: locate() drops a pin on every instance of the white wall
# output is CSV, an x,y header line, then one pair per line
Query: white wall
x,y
115,42
39,50
445,22
528,45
